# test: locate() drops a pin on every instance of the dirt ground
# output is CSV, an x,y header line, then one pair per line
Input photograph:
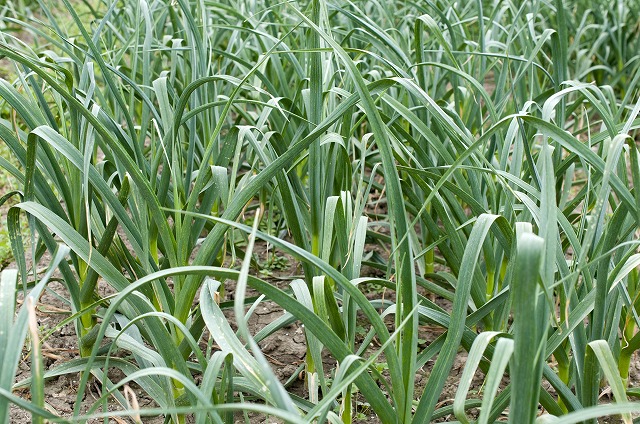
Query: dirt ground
x,y
285,350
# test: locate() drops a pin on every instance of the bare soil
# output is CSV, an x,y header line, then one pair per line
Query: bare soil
x,y
285,350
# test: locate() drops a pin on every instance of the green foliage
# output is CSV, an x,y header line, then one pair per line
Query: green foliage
x,y
487,147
